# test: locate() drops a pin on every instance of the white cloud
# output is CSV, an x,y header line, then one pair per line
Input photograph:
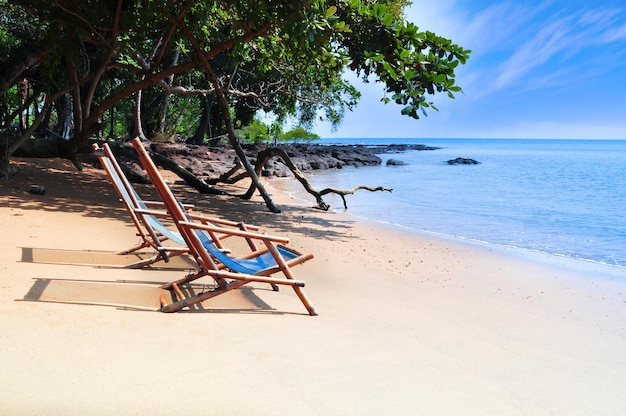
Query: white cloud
x,y
529,61
550,40
532,46
615,34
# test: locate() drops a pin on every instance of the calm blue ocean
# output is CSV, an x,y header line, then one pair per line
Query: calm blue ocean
x,y
563,197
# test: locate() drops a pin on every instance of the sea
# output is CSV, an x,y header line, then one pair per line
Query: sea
x,y
564,198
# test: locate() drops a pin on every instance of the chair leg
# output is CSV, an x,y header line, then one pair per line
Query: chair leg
x,y
201,297
134,248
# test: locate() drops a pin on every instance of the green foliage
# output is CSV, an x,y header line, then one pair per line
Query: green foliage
x,y
287,58
256,132
298,134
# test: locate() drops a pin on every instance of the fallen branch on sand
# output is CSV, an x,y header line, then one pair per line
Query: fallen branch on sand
x,y
265,155
343,193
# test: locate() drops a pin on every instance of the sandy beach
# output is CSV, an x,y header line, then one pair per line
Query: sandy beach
x,y
408,324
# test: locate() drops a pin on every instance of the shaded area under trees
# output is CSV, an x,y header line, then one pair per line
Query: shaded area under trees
x,y
72,72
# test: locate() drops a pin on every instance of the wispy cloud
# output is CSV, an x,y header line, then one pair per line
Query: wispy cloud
x,y
521,45
538,68
552,39
554,42
615,34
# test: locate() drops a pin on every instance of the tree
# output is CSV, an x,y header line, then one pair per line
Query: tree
x,y
298,133
279,56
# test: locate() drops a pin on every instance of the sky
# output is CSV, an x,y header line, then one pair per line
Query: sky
x,y
538,69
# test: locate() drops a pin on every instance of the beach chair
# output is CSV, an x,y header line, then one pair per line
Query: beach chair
x,y
146,215
227,272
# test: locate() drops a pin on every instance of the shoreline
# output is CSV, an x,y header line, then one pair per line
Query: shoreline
x,y
407,322
557,259
516,197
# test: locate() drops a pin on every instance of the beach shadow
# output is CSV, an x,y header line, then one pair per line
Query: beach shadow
x,y
66,190
143,296
89,193
102,259
121,295
306,221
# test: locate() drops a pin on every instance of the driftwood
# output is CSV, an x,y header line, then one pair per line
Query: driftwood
x,y
343,193
271,152
227,177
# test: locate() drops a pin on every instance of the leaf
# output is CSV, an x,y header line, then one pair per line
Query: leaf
x,y
390,71
410,74
330,11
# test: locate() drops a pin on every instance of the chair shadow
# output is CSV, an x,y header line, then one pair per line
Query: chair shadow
x,y
143,296
101,259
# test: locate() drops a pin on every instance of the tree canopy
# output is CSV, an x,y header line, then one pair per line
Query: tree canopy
x,y
74,69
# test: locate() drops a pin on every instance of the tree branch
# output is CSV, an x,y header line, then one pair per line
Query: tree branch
x,y
265,155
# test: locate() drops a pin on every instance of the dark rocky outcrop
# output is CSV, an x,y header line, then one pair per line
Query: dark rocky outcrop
x,y
213,161
462,161
395,162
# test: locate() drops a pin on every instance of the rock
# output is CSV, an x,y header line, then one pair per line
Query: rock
x,y
215,160
395,162
462,161
38,190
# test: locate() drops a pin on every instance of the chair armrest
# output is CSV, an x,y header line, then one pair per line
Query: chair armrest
x,y
152,212
161,204
242,226
237,232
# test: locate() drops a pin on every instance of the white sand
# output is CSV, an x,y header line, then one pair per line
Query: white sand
x,y
408,325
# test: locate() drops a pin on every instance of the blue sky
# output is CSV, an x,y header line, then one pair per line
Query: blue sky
x,y
538,69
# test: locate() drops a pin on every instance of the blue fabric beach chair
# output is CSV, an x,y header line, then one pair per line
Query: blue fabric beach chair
x,y
146,216
228,272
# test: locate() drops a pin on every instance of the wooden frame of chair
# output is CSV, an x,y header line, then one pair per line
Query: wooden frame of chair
x,y
145,221
145,217
228,273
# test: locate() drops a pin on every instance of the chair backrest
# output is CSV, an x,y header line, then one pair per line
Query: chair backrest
x,y
133,201
174,208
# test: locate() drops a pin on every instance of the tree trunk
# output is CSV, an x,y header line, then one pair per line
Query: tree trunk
x,y
63,128
23,95
203,126
112,131
189,178
4,161
166,101
138,125
234,141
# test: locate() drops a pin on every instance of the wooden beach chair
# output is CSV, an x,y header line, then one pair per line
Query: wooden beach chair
x,y
228,273
146,215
